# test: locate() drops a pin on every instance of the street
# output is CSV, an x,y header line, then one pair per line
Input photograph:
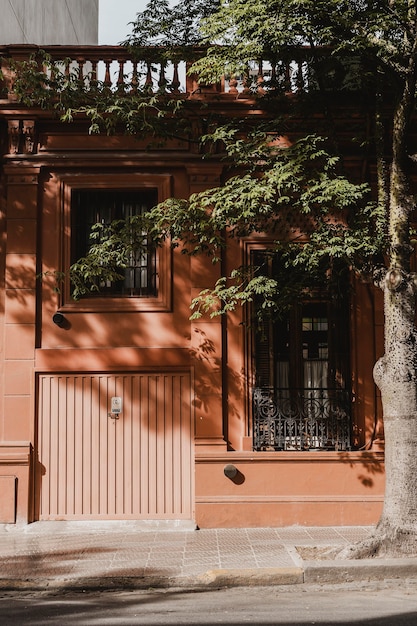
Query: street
x,y
379,604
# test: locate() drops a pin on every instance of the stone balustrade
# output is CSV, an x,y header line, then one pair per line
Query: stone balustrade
x,y
151,69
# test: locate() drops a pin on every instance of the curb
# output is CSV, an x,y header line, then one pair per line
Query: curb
x,y
360,570
211,579
313,572
263,576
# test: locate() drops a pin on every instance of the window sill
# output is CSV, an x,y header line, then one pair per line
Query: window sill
x,y
116,304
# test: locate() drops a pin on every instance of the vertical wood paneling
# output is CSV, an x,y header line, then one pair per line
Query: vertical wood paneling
x,y
136,467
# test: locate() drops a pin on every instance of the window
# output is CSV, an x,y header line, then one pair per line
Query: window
x,y
91,198
89,207
293,352
301,397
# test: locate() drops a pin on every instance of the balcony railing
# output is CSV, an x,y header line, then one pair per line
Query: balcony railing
x,y
115,68
301,419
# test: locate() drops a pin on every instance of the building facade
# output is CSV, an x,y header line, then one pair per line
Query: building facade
x,y
49,22
118,406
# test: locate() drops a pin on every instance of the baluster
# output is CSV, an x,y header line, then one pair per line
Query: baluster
x,y
135,81
45,71
287,77
6,80
149,82
246,83
121,76
162,82
233,84
81,71
260,78
107,78
53,73
273,76
67,69
175,80
300,79
93,79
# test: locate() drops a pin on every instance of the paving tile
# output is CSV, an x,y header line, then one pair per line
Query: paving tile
x,y
255,534
92,551
135,561
323,533
281,561
111,573
200,559
166,571
201,540
195,570
353,533
238,565
164,549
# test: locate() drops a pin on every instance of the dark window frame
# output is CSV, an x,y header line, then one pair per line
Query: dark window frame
x,y
92,206
299,416
161,300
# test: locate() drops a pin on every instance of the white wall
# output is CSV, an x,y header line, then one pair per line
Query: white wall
x,y
43,22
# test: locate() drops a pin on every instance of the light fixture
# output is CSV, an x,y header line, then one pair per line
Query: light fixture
x,y
58,319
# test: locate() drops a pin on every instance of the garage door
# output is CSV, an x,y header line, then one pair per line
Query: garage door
x,y
133,465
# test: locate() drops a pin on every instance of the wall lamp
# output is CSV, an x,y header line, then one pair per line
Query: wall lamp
x,y
231,472
59,320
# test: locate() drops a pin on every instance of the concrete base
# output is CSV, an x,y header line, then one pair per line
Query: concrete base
x,y
94,526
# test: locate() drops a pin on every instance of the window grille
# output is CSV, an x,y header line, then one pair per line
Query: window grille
x,y
90,207
301,398
301,419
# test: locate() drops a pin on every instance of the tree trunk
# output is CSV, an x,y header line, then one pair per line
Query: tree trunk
x,y
396,372
396,376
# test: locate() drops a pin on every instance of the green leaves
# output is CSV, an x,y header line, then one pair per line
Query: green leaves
x,y
237,290
165,24
313,217
113,248
295,194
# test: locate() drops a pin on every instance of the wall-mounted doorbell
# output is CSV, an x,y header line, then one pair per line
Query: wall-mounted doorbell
x,y
115,407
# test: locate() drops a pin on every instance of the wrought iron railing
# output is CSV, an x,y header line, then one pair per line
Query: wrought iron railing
x,y
301,419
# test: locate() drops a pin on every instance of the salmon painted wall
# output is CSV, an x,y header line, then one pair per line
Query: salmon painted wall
x,y
270,488
286,488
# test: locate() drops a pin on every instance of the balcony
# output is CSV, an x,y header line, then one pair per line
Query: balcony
x,y
152,70
301,419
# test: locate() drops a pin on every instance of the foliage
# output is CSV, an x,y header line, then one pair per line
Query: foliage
x,y
136,109
241,31
299,194
114,245
171,26
295,195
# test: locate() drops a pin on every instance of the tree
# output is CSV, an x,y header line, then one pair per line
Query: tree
x,y
269,179
383,35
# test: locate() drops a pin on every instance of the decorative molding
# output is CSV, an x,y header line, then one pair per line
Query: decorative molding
x,y
28,132
251,457
15,453
23,179
269,499
21,135
13,129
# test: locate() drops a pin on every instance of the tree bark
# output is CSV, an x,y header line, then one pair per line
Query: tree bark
x,y
396,376
396,372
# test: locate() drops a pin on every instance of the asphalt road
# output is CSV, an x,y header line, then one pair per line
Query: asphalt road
x,y
382,604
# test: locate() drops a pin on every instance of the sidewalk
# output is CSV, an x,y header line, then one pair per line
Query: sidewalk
x,y
109,555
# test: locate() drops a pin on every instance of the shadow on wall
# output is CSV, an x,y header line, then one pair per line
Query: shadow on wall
x,y
372,463
211,382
